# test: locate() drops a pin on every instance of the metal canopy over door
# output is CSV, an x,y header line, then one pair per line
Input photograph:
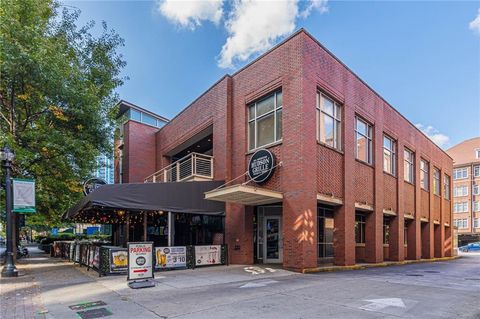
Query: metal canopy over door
x,y
269,234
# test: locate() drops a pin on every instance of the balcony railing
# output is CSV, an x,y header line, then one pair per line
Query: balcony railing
x,y
192,167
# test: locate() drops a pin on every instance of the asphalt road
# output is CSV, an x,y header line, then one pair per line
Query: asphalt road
x,y
449,289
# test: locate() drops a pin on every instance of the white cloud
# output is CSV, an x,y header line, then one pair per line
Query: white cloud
x,y
255,26
475,24
438,138
190,13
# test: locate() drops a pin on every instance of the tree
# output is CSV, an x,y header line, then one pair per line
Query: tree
x,y
57,93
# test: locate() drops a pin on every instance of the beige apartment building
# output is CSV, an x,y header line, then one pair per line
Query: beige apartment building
x,y
466,189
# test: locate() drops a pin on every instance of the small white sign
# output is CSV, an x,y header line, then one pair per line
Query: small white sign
x,y
140,261
171,257
208,255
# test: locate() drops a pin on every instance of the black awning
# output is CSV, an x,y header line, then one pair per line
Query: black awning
x,y
184,197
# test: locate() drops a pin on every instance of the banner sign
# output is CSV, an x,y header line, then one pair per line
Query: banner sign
x,y
261,166
171,257
208,255
92,184
140,260
23,195
118,260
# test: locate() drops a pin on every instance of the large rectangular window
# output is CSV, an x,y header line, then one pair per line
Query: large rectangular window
x,y
389,159
436,181
424,174
446,187
363,136
460,173
265,121
460,207
476,206
476,189
329,120
459,191
409,166
476,171
359,229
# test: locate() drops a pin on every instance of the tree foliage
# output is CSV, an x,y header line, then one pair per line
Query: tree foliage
x,y
57,91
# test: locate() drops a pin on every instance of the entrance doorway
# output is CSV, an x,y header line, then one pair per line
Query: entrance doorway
x,y
269,234
325,234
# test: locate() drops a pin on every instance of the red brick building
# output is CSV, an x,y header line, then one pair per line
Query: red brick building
x,y
355,180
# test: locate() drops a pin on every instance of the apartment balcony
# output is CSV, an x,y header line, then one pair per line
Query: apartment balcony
x,y
193,167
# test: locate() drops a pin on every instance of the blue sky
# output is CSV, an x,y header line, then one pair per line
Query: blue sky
x,y
423,57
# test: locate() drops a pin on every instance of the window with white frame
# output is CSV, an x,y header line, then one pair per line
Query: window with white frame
x,y
265,121
476,171
476,206
477,153
460,207
459,191
460,173
446,187
436,181
476,223
389,157
363,136
408,165
424,174
461,223
329,121
476,189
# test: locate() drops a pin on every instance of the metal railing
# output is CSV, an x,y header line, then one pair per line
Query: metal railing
x,y
194,165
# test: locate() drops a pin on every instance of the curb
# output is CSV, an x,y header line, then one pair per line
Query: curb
x,y
366,266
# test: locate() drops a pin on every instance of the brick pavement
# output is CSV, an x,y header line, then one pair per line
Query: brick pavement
x,y
20,297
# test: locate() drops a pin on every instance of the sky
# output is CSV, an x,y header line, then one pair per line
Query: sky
x,y
423,57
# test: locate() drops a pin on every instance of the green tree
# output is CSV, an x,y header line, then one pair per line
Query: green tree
x,y
57,92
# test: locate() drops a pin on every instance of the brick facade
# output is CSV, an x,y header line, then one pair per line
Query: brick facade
x,y
300,66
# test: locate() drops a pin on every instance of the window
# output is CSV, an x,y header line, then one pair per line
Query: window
x,y
389,161
424,176
476,206
460,207
386,231
476,189
446,187
329,119
147,119
134,115
265,121
477,153
359,229
363,132
460,173
436,181
460,223
476,171
459,191
405,233
408,165
476,223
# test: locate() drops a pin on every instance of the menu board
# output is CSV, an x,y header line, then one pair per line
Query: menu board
x,y
171,257
140,260
118,260
208,255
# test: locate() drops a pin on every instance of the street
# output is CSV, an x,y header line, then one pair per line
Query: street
x,y
449,289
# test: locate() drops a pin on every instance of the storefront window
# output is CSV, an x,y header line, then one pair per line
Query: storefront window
x,y
265,121
359,229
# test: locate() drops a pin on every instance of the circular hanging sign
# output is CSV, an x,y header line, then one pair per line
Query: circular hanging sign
x,y
261,166
92,184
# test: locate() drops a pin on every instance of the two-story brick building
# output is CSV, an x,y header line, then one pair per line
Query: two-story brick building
x,y
353,180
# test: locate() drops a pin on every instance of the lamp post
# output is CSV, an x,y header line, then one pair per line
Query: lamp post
x,y
6,157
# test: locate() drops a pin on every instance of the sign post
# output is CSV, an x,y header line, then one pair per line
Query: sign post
x,y
140,265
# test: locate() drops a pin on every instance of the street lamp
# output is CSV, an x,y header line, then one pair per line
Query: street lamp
x,y
6,157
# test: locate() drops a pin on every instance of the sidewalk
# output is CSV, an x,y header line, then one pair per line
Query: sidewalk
x,y
20,297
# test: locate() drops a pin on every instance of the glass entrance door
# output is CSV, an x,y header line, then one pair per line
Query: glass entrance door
x,y
273,240
325,234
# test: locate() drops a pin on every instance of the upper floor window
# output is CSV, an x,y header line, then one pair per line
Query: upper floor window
x,y
424,175
460,207
459,191
389,159
408,165
476,171
476,206
477,153
476,189
446,187
460,173
329,121
363,135
265,121
436,181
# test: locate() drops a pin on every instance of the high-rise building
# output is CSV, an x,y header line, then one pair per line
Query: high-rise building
x,y
105,168
466,189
